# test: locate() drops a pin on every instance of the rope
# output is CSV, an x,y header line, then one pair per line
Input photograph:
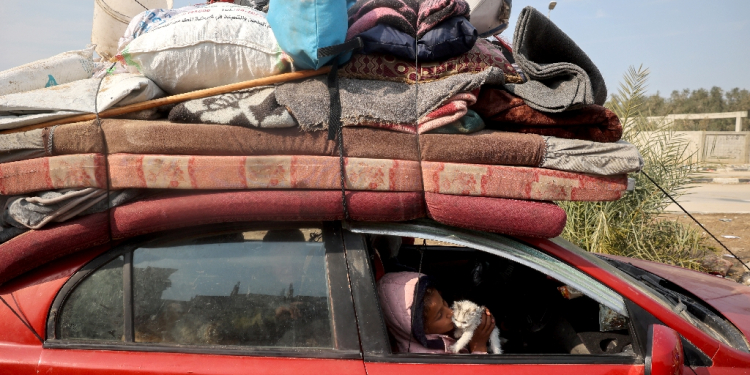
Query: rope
x,y
696,220
23,321
336,131
106,149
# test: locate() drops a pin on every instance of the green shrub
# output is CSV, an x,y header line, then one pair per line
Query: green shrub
x,y
632,225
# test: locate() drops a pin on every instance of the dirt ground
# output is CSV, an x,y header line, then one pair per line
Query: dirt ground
x,y
736,225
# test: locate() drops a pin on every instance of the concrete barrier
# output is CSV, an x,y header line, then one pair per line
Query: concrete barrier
x,y
716,147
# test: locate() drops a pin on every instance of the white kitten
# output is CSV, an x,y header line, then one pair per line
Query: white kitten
x,y
467,316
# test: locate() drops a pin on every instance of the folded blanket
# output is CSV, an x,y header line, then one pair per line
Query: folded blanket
x,y
453,110
381,67
604,159
34,212
56,172
382,104
261,172
414,17
561,76
520,182
162,137
470,123
256,107
506,216
78,138
516,149
503,111
75,98
453,37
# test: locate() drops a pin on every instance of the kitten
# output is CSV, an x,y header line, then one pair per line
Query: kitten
x,y
467,316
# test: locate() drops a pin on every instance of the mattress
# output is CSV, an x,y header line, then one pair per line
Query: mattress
x,y
55,172
520,182
497,215
261,172
163,213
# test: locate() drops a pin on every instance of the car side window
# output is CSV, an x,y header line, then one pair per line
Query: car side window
x,y
535,312
254,289
94,311
247,291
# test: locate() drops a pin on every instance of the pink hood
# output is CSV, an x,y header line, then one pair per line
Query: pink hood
x,y
396,292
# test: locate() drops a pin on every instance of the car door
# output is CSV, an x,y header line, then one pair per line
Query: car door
x,y
380,359
228,299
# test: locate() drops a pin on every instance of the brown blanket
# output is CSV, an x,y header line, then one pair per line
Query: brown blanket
x,y
163,137
504,111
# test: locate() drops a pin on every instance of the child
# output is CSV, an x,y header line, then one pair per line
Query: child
x,y
432,316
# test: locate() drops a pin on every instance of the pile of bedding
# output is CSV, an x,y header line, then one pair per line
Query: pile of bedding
x,y
437,122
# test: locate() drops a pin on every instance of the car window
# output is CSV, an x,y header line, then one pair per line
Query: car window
x,y
253,288
535,299
234,291
95,310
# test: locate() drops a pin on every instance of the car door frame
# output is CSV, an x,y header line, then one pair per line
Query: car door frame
x,y
344,329
375,343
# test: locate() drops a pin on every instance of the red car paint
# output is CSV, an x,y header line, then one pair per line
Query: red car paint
x,y
726,360
32,294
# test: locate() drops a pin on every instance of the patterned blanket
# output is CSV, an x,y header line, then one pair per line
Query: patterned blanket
x,y
256,107
389,68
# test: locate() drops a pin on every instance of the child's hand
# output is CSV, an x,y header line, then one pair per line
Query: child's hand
x,y
478,342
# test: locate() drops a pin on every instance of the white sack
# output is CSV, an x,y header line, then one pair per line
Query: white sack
x,y
145,21
56,70
75,98
216,45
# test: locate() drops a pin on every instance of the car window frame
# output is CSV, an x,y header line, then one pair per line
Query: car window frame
x,y
375,342
344,329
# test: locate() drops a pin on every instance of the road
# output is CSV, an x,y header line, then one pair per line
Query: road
x,y
715,198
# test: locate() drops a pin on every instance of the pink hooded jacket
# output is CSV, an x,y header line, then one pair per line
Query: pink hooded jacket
x,y
396,292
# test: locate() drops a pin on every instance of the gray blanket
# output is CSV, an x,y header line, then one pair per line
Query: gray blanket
x,y
21,146
376,102
561,76
34,212
604,159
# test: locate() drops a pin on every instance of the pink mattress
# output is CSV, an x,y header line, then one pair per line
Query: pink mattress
x,y
55,172
520,182
163,213
498,215
37,247
261,172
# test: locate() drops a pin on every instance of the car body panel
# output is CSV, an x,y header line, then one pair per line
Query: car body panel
x,y
707,344
728,297
83,362
374,368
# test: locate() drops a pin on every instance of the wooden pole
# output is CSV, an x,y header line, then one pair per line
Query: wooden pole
x,y
113,112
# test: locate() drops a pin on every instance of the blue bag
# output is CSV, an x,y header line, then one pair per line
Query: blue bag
x,y
302,28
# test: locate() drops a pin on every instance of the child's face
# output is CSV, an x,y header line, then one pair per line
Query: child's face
x,y
437,315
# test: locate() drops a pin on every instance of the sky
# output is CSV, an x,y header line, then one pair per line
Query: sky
x,y
686,44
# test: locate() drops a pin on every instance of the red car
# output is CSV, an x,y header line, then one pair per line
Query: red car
x,y
300,298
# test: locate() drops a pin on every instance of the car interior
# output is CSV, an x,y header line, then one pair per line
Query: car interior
x,y
536,313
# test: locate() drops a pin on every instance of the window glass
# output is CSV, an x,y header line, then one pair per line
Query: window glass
x,y
94,311
261,288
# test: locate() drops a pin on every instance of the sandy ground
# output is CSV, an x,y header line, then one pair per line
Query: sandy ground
x,y
721,225
737,225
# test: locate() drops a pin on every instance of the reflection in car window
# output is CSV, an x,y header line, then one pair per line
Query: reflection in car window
x,y
95,310
262,288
